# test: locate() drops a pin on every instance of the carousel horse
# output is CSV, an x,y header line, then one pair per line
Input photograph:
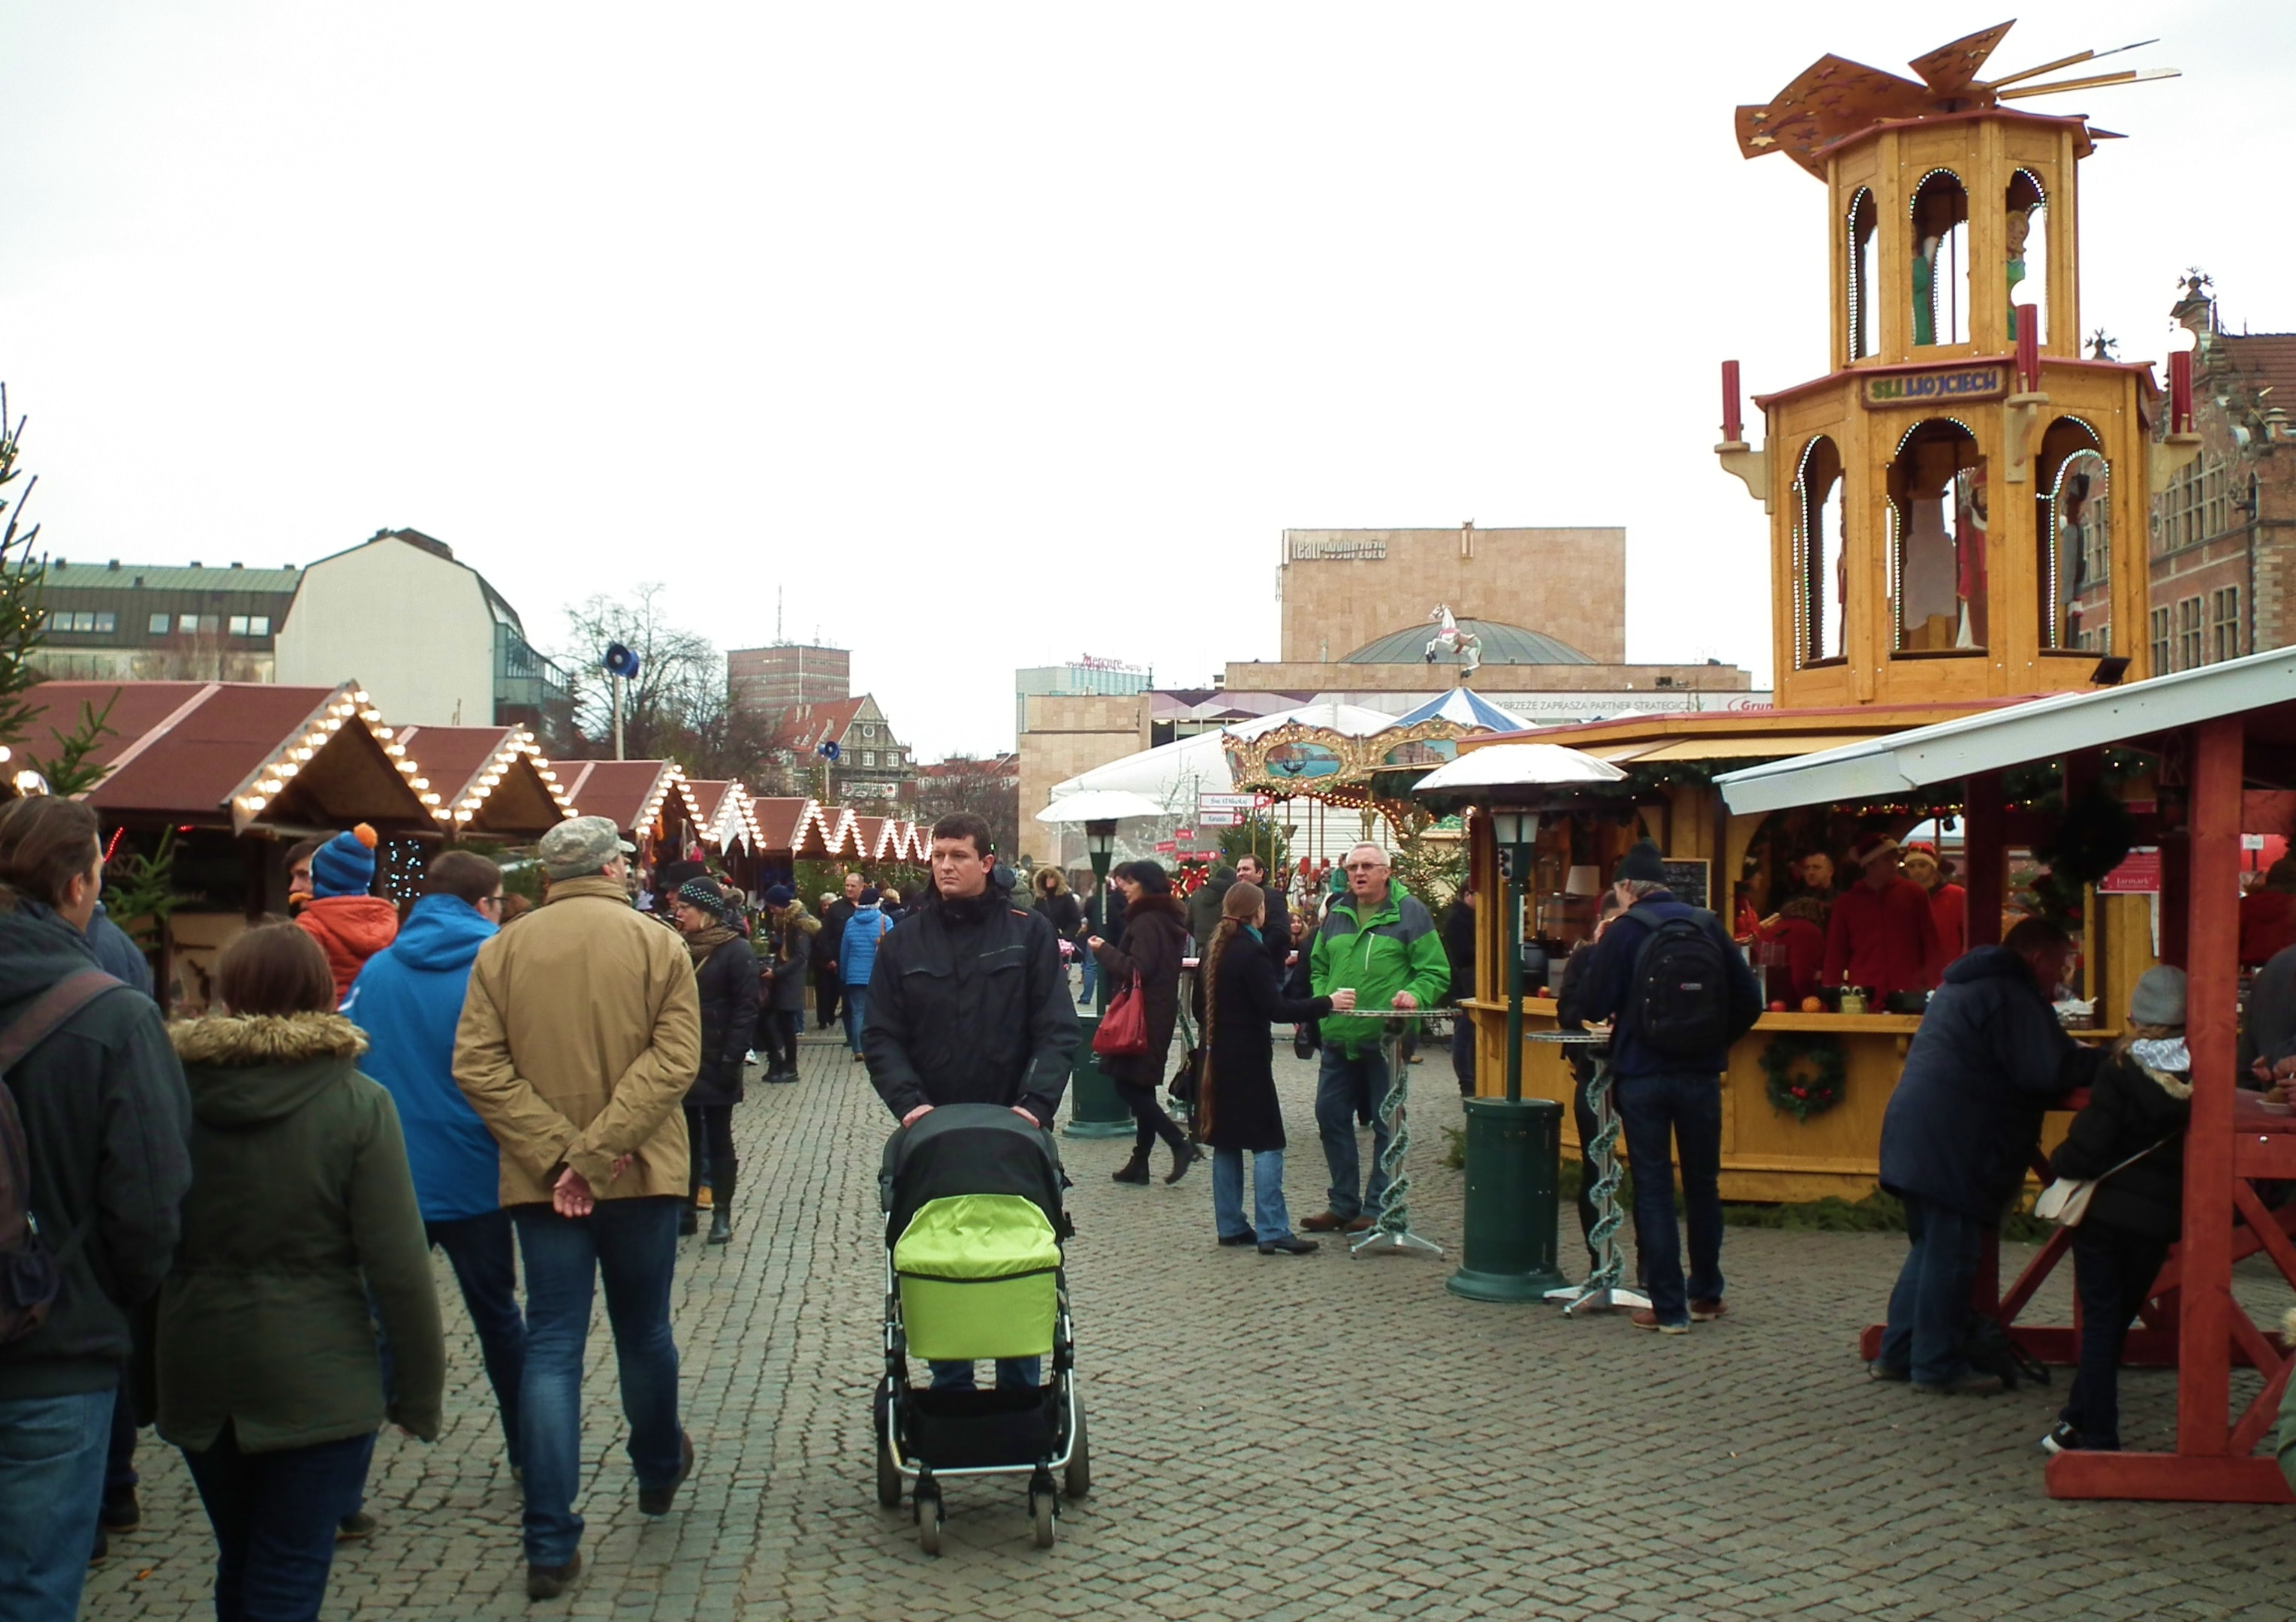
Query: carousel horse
x,y
1466,644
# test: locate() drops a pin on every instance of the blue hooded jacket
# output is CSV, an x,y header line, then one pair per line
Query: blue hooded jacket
x,y
408,999
856,954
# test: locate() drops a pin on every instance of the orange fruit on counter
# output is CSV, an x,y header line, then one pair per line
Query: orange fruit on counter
x,y
1812,1005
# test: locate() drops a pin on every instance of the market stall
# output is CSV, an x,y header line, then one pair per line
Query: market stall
x,y
493,781
649,801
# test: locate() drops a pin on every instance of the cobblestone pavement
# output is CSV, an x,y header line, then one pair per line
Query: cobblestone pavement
x,y
1274,1438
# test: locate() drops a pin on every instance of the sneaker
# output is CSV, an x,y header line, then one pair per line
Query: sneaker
x,y
749,1057
1644,1318
1968,1385
1880,1371
120,1512
1327,1221
656,1500
1291,1244
548,1582
2064,1438
354,1527
1709,1309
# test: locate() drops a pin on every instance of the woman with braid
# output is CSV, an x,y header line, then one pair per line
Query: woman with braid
x,y
1236,1108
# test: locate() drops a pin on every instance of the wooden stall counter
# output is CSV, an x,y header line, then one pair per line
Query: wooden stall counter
x,y
1768,1154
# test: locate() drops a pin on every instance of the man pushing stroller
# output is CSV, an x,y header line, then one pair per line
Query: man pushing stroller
x,y
969,1004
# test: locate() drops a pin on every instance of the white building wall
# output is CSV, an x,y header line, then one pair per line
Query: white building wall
x,y
411,628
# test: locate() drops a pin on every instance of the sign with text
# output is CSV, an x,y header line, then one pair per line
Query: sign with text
x,y
1219,819
2138,874
1988,381
1234,802
1165,848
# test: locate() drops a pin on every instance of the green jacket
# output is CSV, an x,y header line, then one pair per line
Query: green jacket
x,y
301,1204
1394,950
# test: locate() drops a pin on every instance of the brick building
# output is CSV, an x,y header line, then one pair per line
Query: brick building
x,y
870,764
767,681
2223,529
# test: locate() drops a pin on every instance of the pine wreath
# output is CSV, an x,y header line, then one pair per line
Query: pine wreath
x,y
1806,1072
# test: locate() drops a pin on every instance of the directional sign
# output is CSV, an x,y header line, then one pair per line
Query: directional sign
x,y
1235,802
1220,819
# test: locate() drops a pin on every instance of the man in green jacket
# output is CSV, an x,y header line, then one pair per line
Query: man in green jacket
x,y
1380,941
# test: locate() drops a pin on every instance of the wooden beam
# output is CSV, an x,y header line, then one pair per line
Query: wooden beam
x,y
2212,971
1985,861
2168,1476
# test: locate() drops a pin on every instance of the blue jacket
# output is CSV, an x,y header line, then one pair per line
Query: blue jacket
x,y
117,953
408,1000
1989,1059
857,953
1605,990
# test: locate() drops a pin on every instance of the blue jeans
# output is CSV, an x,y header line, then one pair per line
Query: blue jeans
x,y
479,1250
1675,1113
1091,979
857,1010
1462,1052
275,1516
1347,1084
1928,1308
1013,1374
51,1453
1269,1220
633,1245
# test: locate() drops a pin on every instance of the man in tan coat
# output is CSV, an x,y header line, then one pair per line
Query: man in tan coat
x,y
580,1034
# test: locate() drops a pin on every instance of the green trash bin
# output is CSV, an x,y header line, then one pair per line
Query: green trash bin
x,y
1094,1110
1514,1151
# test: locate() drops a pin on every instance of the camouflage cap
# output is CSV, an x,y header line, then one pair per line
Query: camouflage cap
x,y
581,844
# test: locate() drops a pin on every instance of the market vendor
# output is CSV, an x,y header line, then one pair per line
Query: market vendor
x,y
1883,935
1814,869
1790,951
1948,904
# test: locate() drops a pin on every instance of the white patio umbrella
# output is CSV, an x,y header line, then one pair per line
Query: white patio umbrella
x,y
1517,765
1100,806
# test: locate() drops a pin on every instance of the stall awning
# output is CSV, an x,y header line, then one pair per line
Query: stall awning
x,y
2040,730
493,779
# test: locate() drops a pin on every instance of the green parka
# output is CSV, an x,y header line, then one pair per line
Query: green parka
x,y
302,1202
1395,949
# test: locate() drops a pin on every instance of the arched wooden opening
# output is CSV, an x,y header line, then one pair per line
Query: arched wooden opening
x,y
1820,606
2025,252
2074,526
1937,543
1857,308
1940,259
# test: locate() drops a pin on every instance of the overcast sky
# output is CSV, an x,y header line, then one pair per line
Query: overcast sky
x,y
992,334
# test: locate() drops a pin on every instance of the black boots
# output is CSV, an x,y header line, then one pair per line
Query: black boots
x,y
1135,1169
1185,1154
721,1207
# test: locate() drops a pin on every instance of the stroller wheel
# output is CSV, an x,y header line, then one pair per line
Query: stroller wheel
x,y
1044,1508
888,1475
928,1521
1077,1478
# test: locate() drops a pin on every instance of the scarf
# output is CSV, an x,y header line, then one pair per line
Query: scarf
x,y
702,943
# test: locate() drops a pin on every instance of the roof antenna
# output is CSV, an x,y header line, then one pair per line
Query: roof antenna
x,y
777,614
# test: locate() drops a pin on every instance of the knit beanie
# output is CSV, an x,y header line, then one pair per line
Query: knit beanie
x,y
1642,865
2158,998
345,865
779,896
871,897
704,897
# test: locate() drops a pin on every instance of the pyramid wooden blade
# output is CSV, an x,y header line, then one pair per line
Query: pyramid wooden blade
x,y
1948,70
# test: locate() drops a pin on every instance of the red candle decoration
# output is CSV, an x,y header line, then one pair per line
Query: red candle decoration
x,y
1733,429
2028,354
2180,391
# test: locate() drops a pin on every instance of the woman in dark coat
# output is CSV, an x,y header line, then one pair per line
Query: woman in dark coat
x,y
782,976
1236,1108
1155,940
727,969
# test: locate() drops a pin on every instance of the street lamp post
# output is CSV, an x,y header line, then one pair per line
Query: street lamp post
x,y
1095,1109
1514,1143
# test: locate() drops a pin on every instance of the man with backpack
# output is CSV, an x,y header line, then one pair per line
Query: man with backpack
x,y
94,1161
1678,994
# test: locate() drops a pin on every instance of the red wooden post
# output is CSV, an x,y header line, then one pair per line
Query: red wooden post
x,y
2029,352
2205,1324
1733,426
2176,899
1985,864
2180,391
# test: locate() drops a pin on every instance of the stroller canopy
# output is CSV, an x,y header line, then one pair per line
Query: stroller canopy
x,y
970,1149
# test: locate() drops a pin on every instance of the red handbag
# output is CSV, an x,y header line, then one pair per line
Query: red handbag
x,y
1123,1031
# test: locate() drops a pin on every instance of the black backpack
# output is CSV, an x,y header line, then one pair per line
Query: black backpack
x,y
1682,1003
30,1271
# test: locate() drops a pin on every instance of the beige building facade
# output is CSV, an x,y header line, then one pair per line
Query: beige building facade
x,y
1062,735
1343,588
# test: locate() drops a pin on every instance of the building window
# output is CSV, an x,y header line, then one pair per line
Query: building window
x,y
106,623
868,757
239,625
2224,625
258,625
2161,664
158,625
2188,634
868,729
2196,506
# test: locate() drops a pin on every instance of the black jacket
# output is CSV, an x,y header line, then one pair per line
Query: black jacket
x,y
1276,931
1237,1107
1459,946
1155,940
108,1122
1063,913
1606,989
1203,907
832,938
728,982
2131,1109
969,1004
1988,1059
781,965
2270,1031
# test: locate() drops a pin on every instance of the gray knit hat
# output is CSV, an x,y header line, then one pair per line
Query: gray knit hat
x,y
2158,998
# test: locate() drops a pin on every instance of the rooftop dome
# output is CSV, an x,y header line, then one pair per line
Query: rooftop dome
x,y
1502,644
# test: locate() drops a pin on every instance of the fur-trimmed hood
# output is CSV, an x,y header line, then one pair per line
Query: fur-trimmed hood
x,y
1060,884
243,1069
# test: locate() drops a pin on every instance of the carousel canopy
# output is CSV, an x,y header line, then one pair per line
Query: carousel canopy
x,y
1100,806
2039,731
1466,707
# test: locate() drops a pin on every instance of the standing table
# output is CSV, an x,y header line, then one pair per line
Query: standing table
x,y
1601,1289
1392,1227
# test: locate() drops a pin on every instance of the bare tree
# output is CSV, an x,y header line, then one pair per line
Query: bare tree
x,y
988,789
678,708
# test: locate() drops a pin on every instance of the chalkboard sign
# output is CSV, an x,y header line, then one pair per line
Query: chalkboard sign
x,y
1687,880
